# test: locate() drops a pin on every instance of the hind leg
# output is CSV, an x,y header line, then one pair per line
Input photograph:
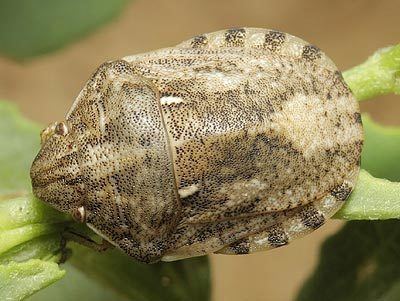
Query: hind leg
x,y
292,224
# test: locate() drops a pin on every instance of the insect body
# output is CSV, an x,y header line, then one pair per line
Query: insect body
x,y
232,142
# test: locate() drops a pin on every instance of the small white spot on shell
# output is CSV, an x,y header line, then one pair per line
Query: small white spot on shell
x,y
168,100
81,214
188,191
328,202
102,120
261,242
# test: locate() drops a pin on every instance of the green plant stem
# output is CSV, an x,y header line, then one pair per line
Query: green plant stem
x,y
372,199
25,218
30,246
19,280
378,75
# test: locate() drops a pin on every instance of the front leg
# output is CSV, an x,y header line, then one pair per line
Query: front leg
x,y
86,241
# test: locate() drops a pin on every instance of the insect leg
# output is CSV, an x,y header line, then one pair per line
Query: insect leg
x,y
86,241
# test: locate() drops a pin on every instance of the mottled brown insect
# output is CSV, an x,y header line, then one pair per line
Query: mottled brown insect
x,y
232,142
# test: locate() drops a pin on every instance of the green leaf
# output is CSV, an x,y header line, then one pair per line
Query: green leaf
x,y
115,276
360,262
181,280
30,28
19,140
381,151
22,279
26,210
76,286
30,241
45,247
14,237
24,218
30,246
114,273
378,75
371,199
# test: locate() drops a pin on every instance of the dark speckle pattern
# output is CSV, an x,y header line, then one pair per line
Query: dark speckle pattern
x,y
341,192
274,40
235,37
277,237
240,247
231,142
312,218
199,41
311,53
357,117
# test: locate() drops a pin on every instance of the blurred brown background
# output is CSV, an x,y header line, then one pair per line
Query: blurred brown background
x,y
348,31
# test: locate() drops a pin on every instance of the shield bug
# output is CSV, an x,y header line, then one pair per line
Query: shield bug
x,y
232,142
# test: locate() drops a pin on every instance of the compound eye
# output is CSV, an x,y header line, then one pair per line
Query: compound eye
x,y
61,129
